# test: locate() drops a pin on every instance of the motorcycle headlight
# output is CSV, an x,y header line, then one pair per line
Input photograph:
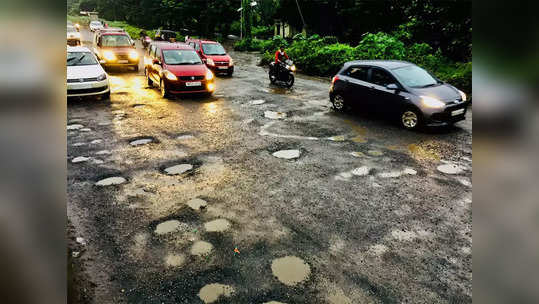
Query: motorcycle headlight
x,y
109,55
133,55
170,76
231,62
209,61
432,102
462,95
209,75
101,77
293,68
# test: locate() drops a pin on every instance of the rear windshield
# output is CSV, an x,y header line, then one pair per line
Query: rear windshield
x,y
115,40
178,57
415,77
95,23
213,49
80,58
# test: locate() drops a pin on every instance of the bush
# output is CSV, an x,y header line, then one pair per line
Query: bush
x,y
262,32
82,20
380,46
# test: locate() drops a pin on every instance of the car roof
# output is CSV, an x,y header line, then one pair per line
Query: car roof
x,y
114,33
208,41
173,46
388,64
78,49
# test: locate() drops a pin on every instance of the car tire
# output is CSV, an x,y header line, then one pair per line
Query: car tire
x,y
135,68
106,96
338,102
148,79
229,74
164,91
410,119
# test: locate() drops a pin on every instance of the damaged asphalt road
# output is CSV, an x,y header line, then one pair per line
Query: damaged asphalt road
x,y
212,200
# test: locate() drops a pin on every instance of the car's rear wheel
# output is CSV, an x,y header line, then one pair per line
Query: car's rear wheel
x,y
164,91
410,119
338,102
148,79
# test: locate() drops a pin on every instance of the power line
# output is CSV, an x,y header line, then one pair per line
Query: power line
x,y
301,15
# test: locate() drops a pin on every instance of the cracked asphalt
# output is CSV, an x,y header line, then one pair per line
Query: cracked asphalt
x,y
359,212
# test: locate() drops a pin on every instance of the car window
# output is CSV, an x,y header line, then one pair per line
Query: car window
x,y
197,47
115,40
213,49
80,58
359,73
414,76
181,57
381,77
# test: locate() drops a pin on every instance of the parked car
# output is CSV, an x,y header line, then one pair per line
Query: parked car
x,y
398,89
85,76
213,54
95,25
115,48
73,36
165,35
176,68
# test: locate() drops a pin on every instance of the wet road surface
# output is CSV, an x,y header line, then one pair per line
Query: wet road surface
x,y
262,194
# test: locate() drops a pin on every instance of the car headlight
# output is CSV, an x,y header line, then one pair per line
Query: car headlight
x,y
133,55
109,55
209,61
462,95
211,87
293,68
432,102
102,77
170,76
209,75
231,62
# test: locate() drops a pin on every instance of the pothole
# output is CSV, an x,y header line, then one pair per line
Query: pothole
x,y
212,292
450,169
197,204
201,248
167,227
103,152
257,102
142,141
178,169
357,154
337,138
78,144
395,174
375,153
290,270
174,260
115,180
218,225
184,137
274,115
85,130
75,127
287,154
361,171
96,141
80,159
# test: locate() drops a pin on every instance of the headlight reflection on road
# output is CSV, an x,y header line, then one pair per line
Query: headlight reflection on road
x,y
211,108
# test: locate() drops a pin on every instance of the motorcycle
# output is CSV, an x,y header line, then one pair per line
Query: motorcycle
x,y
282,72
145,40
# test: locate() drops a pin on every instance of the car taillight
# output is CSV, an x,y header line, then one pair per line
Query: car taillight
x,y
335,78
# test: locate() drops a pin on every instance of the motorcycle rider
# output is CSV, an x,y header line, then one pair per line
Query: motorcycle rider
x,y
280,56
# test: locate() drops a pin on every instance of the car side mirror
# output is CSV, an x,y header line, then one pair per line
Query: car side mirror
x,y
392,86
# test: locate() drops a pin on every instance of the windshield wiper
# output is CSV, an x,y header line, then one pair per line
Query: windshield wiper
x,y
429,85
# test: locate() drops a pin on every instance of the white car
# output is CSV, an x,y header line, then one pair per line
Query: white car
x,y
85,76
73,36
95,25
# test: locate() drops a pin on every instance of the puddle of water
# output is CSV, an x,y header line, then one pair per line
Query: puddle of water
x,y
395,174
257,102
377,250
287,154
178,169
75,127
96,141
361,171
141,141
85,130
167,227
212,292
103,152
78,144
201,248
337,138
183,137
375,153
274,115
359,139
357,154
115,180
466,182
174,260
197,203
97,161
450,169
80,159
290,270
218,225
104,123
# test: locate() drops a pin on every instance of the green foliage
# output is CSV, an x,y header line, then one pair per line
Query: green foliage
x,y
262,32
82,20
380,46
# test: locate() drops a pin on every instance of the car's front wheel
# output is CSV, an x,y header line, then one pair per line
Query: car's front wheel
x,y
338,102
106,96
410,119
164,91
148,79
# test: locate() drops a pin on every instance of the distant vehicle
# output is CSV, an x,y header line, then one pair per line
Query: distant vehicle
x,y
177,69
398,89
85,76
115,48
165,35
95,25
283,72
73,36
145,40
213,55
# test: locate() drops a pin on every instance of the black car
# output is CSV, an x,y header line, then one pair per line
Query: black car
x,y
399,89
165,35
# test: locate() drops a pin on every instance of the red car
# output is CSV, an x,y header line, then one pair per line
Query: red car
x,y
214,55
177,68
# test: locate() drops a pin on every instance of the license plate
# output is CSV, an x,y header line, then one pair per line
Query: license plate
x,y
222,67
123,61
193,84
457,112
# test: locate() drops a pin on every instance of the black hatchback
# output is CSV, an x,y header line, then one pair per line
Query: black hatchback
x,y
399,89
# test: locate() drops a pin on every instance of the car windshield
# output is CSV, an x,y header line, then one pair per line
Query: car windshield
x,y
115,40
181,57
71,29
95,23
80,58
213,49
415,77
